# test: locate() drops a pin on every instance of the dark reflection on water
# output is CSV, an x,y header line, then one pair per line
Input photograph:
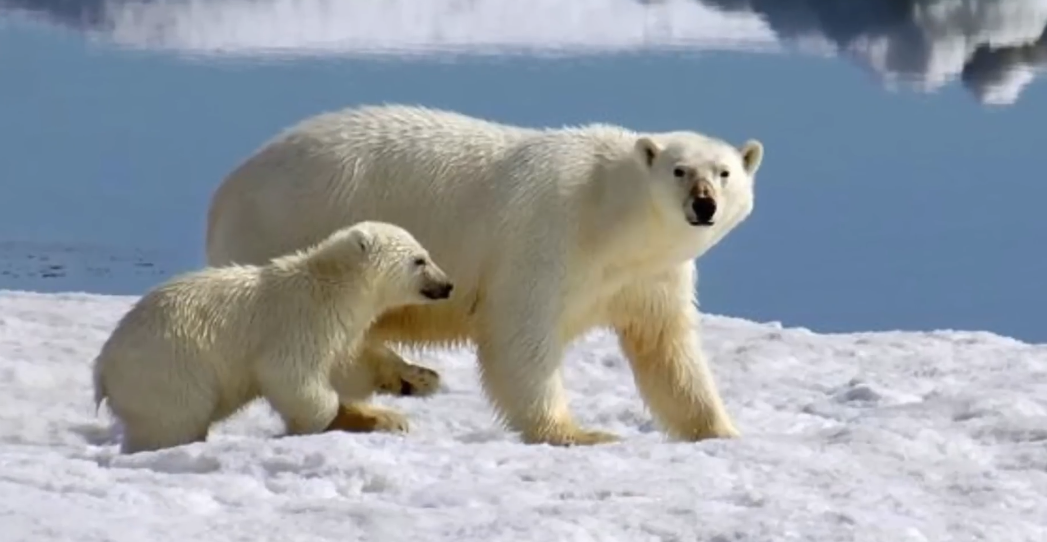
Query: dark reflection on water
x,y
875,210
994,46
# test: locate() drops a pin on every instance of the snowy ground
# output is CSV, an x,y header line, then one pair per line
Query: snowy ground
x,y
889,437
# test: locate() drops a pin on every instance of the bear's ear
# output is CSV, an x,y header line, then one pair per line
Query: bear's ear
x,y
752,156
647,150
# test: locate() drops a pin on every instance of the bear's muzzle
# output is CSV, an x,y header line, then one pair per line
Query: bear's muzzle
x,y
702,206
438,290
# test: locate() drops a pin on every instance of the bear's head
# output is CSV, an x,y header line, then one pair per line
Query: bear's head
x,y
397,268
702,186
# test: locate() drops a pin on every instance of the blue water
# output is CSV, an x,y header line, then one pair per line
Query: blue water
x,y
877,209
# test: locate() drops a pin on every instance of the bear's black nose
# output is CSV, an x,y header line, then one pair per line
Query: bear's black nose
x,y
438,291
704,208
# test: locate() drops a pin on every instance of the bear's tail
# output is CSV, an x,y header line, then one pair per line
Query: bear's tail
x,y
99,385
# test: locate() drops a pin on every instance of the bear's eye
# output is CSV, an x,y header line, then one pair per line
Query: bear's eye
x,y
419,262
724,174
679,173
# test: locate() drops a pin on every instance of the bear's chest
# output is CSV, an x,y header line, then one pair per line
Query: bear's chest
x,y
589,297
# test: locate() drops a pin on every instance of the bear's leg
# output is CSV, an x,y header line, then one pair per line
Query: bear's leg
x,y
657,327
393,375
520,360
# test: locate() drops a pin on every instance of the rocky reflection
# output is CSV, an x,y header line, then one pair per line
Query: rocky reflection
x,y
994,47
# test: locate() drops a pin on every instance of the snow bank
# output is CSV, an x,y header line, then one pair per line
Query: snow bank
x,y
888,437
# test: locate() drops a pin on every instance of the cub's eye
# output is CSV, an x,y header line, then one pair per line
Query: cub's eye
x,y
679,173
725,174
419,262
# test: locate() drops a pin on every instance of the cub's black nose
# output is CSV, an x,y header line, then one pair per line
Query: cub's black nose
x,y
438,291
704,209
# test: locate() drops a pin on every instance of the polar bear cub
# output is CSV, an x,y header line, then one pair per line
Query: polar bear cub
x,y
196,349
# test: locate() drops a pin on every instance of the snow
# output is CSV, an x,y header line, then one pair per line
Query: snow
x,y
899,436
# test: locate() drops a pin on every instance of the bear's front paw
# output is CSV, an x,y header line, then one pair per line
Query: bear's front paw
x,y
724,430
590,437
573,437
360,418
729,432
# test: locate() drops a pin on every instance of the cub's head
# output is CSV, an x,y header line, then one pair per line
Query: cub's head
x,y
395,264
702,182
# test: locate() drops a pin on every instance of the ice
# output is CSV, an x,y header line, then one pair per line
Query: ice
x,y
890,437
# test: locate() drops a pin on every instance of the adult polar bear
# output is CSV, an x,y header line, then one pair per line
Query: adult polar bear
x,y
546,233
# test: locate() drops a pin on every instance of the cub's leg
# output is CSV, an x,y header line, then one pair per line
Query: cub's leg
x,y
302,396
393,375
143,435
158,404
353,380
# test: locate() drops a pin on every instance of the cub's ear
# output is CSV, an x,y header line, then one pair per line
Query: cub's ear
x,y
752,156
647,150
363,240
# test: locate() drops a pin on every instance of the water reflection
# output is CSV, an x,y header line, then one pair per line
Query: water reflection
x,y
876,210
400,27
995,47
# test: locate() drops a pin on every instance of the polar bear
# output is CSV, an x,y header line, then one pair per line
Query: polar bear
x,y
546,232
197,348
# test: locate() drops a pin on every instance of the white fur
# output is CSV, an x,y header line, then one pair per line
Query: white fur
x,y
197,348
547,233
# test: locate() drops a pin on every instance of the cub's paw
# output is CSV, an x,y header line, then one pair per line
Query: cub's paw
x,y
363,418
410,380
